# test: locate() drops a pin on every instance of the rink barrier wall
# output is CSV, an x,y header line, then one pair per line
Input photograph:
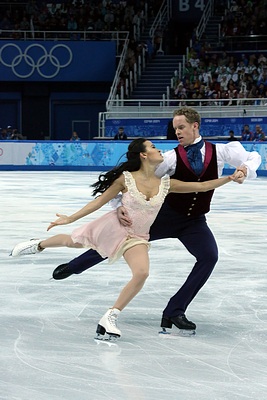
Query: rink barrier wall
x,y
210,127
93,155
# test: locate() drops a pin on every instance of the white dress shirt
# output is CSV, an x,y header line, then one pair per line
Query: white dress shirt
x,y
232,153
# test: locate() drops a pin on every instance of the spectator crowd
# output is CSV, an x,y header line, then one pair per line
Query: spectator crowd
x,y
218,77
75,15
227,77
10,133
222,77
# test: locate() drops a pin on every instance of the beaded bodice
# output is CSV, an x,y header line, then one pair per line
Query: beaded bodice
x,y
142,211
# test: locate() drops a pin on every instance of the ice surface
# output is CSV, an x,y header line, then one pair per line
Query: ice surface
x,y
47,327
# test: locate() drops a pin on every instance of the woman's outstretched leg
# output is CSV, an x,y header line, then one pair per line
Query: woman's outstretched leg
x,y
138,261
60,240
36,245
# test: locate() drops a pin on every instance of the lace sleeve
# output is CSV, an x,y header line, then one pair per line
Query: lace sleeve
x,y
129,182
165,185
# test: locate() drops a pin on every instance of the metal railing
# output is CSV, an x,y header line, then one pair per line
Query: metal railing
x,y
118,36
162,18
245,43
113,95
164,14
208,108
207,13
117,98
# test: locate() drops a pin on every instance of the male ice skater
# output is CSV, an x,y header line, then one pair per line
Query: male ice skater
x,y
182,216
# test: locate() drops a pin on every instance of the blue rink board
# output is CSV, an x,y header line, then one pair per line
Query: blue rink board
x,y
84,155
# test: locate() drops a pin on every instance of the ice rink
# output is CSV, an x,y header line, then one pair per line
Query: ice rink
x,y
47,330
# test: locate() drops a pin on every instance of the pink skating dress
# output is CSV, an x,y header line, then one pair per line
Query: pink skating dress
x,y
108,237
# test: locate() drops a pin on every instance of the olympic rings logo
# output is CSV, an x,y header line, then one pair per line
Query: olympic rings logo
x,y
29,60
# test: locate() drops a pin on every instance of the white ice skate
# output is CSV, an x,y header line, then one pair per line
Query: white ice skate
x,y
108,325
26,248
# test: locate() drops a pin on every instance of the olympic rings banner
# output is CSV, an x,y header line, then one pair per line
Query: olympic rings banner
x,y
57,61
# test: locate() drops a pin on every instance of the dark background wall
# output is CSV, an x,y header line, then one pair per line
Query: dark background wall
x,y
52,108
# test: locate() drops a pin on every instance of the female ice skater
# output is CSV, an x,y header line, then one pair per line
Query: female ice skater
x,y
142,195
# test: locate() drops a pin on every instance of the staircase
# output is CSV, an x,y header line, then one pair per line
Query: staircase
x,y
158,72
211,32
156,77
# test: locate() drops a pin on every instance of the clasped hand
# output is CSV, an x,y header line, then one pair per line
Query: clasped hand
x,y
240,174
62,220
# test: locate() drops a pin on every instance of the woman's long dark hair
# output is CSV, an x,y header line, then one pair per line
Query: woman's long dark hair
x,y
133,163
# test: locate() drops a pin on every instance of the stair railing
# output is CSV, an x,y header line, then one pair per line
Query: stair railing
x,y
160,21
127,88
143,58
114,87
139,66
131,80
135,74
162,18
160,50
174,79
181,68
207,13
168,95
121,94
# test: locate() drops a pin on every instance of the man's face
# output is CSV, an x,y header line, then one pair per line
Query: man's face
x,y
186,133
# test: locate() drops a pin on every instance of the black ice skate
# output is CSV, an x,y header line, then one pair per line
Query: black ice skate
x,y
62,272
186,327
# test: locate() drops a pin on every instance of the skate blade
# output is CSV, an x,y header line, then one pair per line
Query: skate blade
x,y
108,343
179,333
106,338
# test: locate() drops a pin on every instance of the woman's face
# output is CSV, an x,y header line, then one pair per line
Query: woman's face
x,y
153,154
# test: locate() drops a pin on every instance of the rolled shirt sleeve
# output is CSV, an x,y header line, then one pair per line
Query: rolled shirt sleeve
x,y
235,155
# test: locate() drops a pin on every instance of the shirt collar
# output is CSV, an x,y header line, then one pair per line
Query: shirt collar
x,y
197,140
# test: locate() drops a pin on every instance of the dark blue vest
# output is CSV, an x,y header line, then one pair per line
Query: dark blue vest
x,y
193,204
